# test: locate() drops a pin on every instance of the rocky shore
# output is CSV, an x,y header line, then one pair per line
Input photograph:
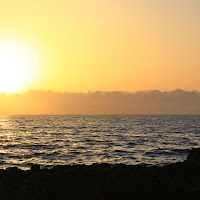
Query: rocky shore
x,y
104,182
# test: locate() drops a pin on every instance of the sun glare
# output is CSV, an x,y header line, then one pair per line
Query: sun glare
x,y
18,63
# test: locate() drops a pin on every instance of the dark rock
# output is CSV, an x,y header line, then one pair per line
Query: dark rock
x,y
101,181
35,168
101,165
12,169
194,155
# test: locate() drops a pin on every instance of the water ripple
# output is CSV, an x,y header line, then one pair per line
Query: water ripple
x,y
53,140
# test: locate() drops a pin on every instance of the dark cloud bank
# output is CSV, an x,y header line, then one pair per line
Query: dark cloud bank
x,y
57,103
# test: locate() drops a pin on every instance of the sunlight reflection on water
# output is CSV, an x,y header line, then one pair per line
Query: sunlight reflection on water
x,y
53,140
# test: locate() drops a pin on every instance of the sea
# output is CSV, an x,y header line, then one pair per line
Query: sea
x,y
115,139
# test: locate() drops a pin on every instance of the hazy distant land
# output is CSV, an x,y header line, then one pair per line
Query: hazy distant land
x,y
40,102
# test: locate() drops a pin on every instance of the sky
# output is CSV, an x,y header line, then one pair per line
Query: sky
x,y
101,45
99,57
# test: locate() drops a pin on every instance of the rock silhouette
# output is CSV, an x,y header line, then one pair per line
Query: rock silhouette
x,y
104,182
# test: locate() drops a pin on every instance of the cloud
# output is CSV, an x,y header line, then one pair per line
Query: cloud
x,y
114,102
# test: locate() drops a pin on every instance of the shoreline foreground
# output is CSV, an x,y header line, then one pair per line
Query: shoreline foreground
x,y
179,180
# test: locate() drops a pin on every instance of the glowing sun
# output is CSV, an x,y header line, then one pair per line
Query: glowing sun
x,y
17,66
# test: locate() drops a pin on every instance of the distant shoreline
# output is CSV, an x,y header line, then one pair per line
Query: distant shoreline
x,y
104,115
153,102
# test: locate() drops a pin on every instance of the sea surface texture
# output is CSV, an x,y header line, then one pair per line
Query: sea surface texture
x,y
71,140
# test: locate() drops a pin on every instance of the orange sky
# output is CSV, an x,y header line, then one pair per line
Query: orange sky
x,y
107,45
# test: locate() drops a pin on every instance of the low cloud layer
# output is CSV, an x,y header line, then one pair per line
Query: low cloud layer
x,y
57,103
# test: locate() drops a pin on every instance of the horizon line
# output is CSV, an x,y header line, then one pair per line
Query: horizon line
x,y
103,91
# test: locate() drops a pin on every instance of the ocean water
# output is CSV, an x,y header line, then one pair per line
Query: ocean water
x,y
71,140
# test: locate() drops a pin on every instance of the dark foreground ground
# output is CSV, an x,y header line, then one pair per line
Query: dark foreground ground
x,y
104,182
